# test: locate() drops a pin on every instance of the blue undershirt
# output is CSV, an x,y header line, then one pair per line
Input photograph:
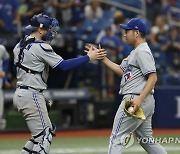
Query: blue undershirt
x,y
73,62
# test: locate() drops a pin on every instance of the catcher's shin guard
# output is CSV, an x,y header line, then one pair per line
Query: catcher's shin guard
x,y
28,148
43,141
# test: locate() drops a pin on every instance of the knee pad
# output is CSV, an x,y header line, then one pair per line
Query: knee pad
x,y
28,148
43,141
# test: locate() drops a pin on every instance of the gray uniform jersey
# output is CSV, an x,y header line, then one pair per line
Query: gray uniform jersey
x,y
136,66
37,56
4,55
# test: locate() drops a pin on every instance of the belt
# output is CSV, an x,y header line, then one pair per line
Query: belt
x,y
131,94
27,87
134,94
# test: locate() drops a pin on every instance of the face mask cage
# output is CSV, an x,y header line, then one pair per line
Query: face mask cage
x,y
53,30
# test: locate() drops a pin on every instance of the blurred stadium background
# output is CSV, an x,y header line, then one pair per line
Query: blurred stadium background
x,y
86,98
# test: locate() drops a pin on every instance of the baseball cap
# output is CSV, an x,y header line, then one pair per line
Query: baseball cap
x,y
135,24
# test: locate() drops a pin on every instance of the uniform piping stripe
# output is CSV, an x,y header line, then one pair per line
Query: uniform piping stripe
x,y
117,129
39,110
148,72
122,68
57,63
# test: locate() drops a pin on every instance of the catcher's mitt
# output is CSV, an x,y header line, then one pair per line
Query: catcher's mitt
x,y
137,114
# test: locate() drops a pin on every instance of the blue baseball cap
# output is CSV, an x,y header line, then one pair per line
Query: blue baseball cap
x,y
135,24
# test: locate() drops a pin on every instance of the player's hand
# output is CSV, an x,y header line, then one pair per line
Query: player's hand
x,y
136,103
100,49
2,74
7,85
95,53
87,47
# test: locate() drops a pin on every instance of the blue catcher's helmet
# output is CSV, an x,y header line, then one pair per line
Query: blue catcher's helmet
x,y
45,22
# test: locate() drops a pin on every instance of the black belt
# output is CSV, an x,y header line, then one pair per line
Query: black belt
x,y
27,87
131,94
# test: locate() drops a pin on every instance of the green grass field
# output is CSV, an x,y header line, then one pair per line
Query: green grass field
x,y
87,145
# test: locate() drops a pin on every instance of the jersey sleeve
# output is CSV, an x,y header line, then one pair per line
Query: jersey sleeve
x,y
49,56
146,62
123,64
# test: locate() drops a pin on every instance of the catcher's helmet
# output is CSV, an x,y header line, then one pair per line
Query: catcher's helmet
x,y
45,22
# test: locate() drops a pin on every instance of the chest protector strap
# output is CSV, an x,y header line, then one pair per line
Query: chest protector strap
x,y
23,44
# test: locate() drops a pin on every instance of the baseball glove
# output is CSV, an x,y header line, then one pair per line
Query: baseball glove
x,y
137,114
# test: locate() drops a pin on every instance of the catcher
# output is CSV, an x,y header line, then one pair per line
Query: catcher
x,y
32,57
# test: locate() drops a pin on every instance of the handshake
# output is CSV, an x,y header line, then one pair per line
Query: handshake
x,y
95,53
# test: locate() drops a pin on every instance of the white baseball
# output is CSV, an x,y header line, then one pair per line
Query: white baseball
x,y
130,109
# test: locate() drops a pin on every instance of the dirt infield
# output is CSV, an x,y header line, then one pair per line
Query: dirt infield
x,y
84,133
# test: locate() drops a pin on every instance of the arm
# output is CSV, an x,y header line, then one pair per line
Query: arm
x,y
113,66
55,61
102,56
71,63
151,81
92,54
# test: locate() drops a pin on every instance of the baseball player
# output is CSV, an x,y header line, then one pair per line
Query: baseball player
x,y
138,74
32,57
4,63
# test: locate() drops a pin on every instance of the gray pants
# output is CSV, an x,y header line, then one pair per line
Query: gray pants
x,y
142,128
32,105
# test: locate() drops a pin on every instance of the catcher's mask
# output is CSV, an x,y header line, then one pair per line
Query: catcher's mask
x,y
45,22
